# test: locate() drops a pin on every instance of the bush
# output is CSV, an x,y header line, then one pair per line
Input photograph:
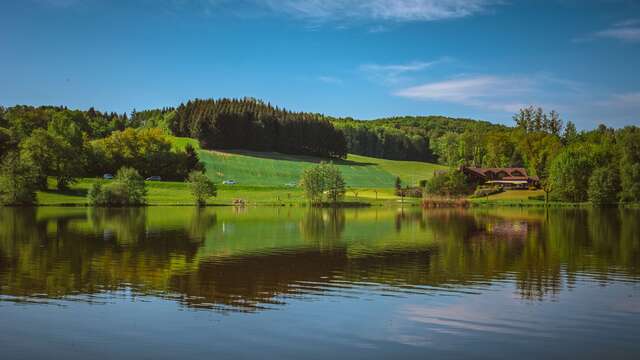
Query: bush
x,y
201,187
127,189
18,181
450,183
604,186
486,191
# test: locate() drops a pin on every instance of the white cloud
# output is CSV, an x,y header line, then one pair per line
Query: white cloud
x,y
627,31
394,73
630,34
504,94
384,10
474,91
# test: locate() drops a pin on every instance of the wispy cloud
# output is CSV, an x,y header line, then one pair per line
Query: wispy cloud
x,y
491,92
627,31
473,91
370,10
623,100
395,73
330,79
394,10
320,11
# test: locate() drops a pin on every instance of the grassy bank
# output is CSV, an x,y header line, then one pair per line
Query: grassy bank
x,y
529,198
177,193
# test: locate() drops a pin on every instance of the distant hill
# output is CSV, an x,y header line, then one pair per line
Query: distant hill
x,y
252,124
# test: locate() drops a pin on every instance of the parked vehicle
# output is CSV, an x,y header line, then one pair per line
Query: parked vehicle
x,y
154,178
107,176
291,184
229,182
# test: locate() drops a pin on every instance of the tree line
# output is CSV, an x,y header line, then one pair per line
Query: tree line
x,y
254,125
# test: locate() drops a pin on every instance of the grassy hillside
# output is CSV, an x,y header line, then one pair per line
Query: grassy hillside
x,y
254,168
274,169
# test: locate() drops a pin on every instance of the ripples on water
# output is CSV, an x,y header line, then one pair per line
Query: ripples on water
x,y
436,280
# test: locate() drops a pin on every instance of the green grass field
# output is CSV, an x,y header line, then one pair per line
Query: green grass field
x,y
252,168
274,169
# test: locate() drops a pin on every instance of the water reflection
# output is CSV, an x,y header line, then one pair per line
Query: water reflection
x,y
261,258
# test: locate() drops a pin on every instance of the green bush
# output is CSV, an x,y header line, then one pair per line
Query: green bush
x,y
127,189
450,183
486,191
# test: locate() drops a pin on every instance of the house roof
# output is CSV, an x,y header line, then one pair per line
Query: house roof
x,y
483,172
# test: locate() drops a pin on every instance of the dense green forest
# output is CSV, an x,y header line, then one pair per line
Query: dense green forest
x,y
600,165
254,125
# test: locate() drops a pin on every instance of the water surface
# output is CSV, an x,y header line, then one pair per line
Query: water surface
x,y
165,283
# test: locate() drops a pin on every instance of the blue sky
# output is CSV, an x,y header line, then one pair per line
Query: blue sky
x,y
481,59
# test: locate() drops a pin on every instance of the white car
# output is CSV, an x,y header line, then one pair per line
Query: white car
x,y
229,182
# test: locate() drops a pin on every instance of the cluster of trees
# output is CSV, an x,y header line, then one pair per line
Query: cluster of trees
x,y
405,138
149,151
601,166
323,182
42,142
251,124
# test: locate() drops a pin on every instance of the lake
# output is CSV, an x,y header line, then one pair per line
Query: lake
x,y
293,283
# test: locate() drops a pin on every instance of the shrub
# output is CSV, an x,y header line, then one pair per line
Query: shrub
x,y
450,183
201,187
127,189
486,191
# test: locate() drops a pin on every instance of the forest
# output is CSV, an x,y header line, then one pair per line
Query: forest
x,y
601,165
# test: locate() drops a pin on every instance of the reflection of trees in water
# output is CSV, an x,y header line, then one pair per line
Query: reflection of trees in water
x,y
107,248
323,227
88,253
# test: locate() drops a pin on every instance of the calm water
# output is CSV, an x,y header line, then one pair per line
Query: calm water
x,y
167,283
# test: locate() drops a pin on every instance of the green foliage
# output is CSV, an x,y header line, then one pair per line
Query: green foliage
x,y
6,141
18,181
532,119
334,183
58,152
630,163
323,179
202,188
570,172
127,189
148,150
604,186
450,183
